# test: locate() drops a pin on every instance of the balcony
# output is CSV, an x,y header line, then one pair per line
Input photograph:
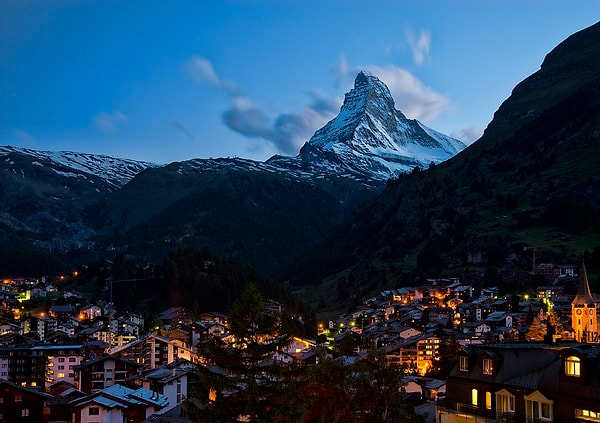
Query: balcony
x,y
464,413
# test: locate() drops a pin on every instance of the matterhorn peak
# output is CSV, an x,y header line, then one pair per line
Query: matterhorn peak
x,y
369,136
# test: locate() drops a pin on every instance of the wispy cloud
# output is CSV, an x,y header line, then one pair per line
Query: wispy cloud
x,y
412,97
468,135
286,132
419,44
109,122
340,69
201,70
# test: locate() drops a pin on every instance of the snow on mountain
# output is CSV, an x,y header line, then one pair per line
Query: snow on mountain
x,y
369,140
115,171
370,137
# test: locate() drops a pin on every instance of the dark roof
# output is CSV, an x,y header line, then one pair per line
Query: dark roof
x,y
107,357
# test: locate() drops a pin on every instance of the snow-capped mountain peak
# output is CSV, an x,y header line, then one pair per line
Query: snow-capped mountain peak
x,y
369,136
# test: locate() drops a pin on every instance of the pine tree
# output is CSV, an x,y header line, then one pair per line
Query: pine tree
x,y
240,371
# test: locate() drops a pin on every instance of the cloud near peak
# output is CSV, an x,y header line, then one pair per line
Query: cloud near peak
x,y
412,97
286,132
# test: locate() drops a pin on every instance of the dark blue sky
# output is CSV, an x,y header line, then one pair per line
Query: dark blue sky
x,y
174,80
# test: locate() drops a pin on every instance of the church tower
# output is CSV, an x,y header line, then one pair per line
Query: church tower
x,y
584,319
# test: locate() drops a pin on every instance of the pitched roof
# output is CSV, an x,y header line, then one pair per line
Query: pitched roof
x,y
584,296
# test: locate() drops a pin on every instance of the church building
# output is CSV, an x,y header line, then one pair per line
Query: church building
x,y
584,318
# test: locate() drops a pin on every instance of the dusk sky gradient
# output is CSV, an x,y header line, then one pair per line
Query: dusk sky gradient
x,y
167,81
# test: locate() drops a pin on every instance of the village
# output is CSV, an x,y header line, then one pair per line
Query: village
x,y
85,362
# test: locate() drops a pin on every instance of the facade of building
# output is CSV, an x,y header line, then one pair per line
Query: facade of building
x,y
21,404
39,366
103,372
153,351
523,383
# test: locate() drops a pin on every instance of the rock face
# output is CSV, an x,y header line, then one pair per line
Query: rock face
x,y
370,137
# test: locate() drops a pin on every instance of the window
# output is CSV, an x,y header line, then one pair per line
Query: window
x,y
18,397
25,412
463,364
94,411
572,366
61,359
474,396
488,367
488,400
537,406
72,359
590,415
60,375
61,367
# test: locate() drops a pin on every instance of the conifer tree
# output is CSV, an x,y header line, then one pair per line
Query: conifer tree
x,y
240,371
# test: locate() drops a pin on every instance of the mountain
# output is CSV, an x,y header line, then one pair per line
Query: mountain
x,y
114,172
241,211
370,139
527,190
44,195
261,213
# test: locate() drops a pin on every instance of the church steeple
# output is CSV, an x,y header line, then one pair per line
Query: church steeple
x,y
584,295
584,319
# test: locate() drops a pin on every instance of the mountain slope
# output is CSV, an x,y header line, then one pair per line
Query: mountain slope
x,y
530,181
238,210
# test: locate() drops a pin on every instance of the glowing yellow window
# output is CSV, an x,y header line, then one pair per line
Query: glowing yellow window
x,y
474,396
573,366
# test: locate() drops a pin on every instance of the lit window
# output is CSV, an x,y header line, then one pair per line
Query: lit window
x,y
590,415
573,366
474,396
60,375
488,400
488,367
463,363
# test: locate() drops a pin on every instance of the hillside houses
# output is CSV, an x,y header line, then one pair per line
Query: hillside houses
x,y
90,357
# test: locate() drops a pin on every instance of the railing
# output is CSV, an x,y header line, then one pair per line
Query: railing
x,y
505,416
464,413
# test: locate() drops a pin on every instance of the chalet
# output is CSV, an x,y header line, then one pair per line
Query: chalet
x,y
214,317
499,319
153,351
90,312
119,404
103,372
21,404
550,292
417,351
476,329
170,380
